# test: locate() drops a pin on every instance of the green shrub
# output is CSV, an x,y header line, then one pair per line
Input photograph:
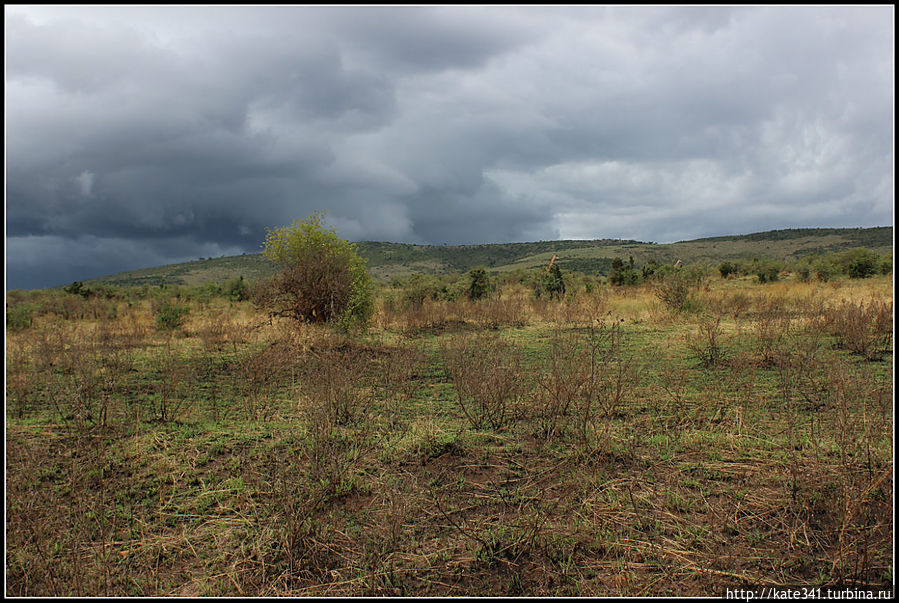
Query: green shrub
x,y
767,272
825,270
236,289
727,269
18,317
419,287
862,263
170,316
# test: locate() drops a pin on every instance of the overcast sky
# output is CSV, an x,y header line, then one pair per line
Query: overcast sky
x,y
140,136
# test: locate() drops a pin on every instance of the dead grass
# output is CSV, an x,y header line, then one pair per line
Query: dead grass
x,y
521,447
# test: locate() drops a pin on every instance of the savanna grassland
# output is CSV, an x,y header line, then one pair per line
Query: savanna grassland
x,y
614,442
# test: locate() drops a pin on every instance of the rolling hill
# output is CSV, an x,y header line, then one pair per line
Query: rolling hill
x,y
386,260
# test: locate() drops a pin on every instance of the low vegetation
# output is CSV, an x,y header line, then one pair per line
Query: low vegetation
x,y
527,432
386,261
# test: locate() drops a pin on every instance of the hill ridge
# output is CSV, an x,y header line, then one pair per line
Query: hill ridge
x,y
387,259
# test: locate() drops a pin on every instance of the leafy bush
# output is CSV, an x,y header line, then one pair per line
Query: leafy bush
x,y
727,269
322,278
862,263
420,287
170,316
627,276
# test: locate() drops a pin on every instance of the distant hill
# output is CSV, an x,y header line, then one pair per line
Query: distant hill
x,y
386,260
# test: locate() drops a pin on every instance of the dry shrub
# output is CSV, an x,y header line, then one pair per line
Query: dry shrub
x,y
585,379
674,381
516,534
397,372
214,332
734,305
770,325
261,373
333,386
52,341
850,432
858,412
79,382
573,310
19,375
563,382
706,344
135,331
303,480
299,481
69,307
62,518
614,372
172,378
675,291
810,307
486,374
796,362
584,308
100,308
430,314
502,312
866,330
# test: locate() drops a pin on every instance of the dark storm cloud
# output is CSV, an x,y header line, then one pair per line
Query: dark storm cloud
x,y
419,39
138,136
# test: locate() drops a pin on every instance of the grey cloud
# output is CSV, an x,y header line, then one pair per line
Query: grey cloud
x,y
427,39
166,133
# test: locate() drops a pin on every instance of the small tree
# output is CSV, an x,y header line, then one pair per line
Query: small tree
x,y
727,269
554,283
322,278
622,273
480,284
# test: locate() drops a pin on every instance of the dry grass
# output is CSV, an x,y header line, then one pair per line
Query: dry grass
x,y
516,447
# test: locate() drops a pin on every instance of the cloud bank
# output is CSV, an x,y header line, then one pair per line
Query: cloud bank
x,y
138,136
